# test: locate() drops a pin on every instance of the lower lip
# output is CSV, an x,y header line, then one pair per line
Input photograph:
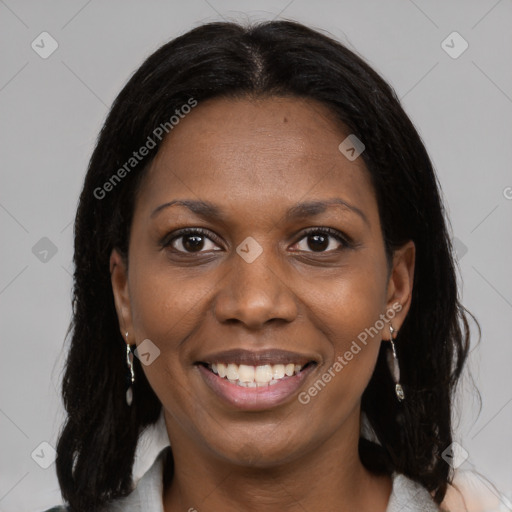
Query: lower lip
x,y
258,398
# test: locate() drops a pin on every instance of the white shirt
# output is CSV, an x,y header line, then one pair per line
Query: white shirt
x,y
406,495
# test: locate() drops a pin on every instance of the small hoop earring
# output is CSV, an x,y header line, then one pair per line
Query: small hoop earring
x,y
394,367
129,362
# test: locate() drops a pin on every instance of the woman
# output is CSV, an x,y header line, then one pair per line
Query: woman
x,y
261,222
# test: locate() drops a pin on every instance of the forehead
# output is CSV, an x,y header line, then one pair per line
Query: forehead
x,y
256,153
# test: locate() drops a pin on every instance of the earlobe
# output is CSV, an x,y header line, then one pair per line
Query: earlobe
x,y
119,281
401,282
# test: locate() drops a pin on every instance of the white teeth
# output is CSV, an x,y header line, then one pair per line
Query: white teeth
x,y
232,372
245,373
278,371
255,376
221,370
263,374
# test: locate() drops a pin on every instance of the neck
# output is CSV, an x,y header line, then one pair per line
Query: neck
x,y
328,477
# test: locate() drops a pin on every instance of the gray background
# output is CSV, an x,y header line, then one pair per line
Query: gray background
x,y
52,110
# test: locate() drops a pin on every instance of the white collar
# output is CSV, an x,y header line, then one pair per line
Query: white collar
x,y
409,496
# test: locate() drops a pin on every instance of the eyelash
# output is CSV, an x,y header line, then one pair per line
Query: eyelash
x,y
344,240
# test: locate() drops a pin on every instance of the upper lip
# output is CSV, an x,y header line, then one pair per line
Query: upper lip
x,y
257,358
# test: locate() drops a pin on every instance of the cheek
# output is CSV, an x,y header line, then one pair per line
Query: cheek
x,y
350,301
166,304
165,309
348,311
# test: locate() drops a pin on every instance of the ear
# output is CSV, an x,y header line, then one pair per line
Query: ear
x,y
400,285
119,280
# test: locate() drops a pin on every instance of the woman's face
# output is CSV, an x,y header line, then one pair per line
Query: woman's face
x,y
263,287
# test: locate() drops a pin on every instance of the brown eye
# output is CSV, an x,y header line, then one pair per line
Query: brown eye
x,y
322,240
318,242
191,241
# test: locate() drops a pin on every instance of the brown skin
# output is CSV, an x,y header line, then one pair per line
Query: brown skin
x,y
255,159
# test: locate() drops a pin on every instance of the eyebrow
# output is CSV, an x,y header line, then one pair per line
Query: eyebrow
x,y
312,208
209,210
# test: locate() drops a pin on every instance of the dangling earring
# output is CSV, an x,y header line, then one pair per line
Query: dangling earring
x,y
129,362
394,368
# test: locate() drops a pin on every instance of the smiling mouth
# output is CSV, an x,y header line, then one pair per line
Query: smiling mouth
x,y
248,376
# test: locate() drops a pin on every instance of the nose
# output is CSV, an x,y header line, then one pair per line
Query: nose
x,y
255,293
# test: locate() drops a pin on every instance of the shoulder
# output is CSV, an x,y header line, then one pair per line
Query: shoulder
x,y
471,491
146,495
